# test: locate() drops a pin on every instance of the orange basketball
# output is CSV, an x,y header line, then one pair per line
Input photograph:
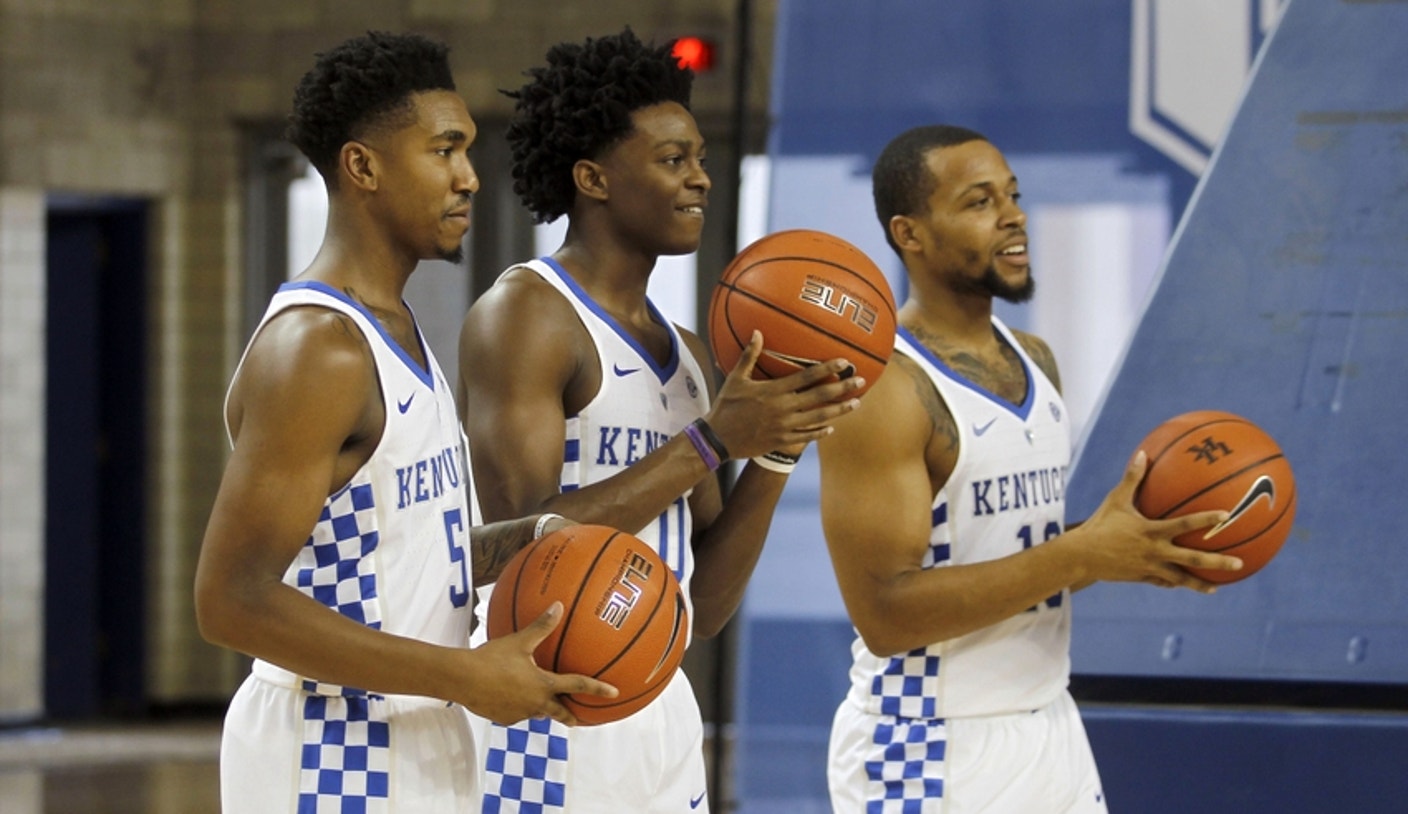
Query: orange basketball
x,y
1209,460
624,618
814,296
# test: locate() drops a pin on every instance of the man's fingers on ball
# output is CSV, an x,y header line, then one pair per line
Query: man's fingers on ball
x,y
1219,562
560,713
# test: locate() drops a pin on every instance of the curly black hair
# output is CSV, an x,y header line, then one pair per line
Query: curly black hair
x,y
362,85
901,182
578,106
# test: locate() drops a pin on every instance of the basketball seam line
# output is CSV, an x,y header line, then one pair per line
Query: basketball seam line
x,y
1208,488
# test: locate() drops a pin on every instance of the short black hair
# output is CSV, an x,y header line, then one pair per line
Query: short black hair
x,y
578,106
901,182
362,84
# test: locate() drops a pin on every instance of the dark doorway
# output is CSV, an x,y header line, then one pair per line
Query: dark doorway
x,y
95,453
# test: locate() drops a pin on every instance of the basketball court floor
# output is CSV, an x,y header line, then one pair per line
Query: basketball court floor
x,y
149,768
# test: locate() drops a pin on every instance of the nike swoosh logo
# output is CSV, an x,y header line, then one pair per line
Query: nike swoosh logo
x,y
403,406
623,371
676,635
1262,487
694,803
977,430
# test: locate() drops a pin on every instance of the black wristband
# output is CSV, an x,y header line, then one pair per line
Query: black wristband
x,y
780,457
713,439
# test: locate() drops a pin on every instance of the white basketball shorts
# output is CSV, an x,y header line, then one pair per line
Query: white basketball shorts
x,y
1029,763
286,750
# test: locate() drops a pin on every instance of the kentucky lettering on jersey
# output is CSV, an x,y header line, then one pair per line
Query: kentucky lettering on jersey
x,y
1005,494
1019,490
428,478
623,446
644,400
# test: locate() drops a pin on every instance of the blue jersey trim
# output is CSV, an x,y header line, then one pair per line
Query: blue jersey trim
x,y
424,375
1020,410
662,372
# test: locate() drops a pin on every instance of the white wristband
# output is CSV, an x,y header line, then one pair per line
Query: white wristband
x,y
777,462
542,523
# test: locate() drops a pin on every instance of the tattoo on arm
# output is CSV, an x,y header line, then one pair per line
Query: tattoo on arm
x,y
344,324
1042,355
941,420
494,544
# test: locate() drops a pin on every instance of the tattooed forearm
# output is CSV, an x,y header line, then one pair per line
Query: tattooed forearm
x,y
494,544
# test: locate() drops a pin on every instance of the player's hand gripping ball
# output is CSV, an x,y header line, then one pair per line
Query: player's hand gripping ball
x,y
624,618
1209,460
814,296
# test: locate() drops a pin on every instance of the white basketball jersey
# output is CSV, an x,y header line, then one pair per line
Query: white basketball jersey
x,y
391,548
1006,493
641,404
653,760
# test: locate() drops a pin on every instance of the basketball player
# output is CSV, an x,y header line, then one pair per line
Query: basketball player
x,y
582,398
942,501
337,551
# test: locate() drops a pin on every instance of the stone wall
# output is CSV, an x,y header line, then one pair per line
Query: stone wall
x,y
154,99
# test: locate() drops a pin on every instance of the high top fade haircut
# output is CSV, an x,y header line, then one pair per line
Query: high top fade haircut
x,y
362,87
901,181
579,106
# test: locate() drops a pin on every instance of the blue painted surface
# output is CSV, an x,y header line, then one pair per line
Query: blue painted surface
x,y
1285,299
1050,78
1163,761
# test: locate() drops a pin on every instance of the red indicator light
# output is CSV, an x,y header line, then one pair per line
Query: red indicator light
x,y
694,53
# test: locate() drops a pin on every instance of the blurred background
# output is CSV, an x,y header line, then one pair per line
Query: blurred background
x,y
1217,208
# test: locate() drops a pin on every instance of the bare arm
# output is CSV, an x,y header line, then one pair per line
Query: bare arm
x,y
878,482
523,350
729,532
308,412
524,354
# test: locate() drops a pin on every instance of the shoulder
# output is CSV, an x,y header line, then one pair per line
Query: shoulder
x,y
925,394
517,289
520,306
311,340
307,358
1040,352
522,323
697,347
901,410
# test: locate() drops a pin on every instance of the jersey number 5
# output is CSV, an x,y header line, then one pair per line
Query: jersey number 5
x,y
454,522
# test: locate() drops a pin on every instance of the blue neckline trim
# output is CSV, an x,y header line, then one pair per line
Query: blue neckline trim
x,y
424,375
662,372
1020,410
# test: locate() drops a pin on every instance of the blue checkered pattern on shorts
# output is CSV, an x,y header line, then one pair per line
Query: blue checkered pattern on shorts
x,y
906,769
527,768
346,761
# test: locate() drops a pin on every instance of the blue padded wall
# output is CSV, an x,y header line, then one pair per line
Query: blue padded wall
x,y
1209,761
1284,298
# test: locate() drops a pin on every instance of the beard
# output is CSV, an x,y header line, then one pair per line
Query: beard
x,y
455,255
992,283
